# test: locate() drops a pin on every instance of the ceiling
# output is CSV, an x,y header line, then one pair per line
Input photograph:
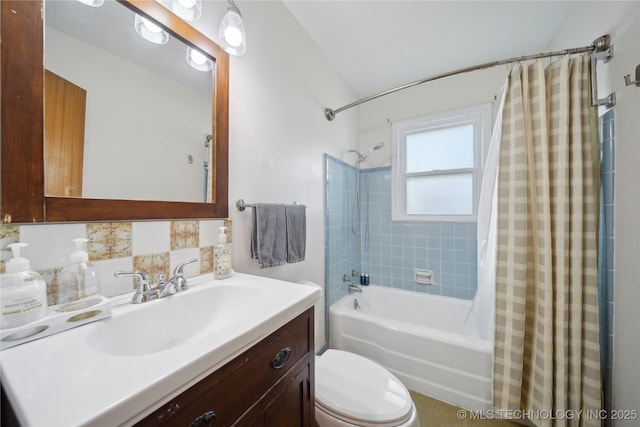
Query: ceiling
x,y
378,45
375,45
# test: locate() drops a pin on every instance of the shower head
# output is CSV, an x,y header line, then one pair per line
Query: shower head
x,y
374,148
362,157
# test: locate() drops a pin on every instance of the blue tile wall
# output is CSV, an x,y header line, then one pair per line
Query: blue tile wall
x,y
390,251
605,259
342,247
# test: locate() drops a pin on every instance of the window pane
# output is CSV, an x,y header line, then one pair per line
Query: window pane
x,y
440,195
440,149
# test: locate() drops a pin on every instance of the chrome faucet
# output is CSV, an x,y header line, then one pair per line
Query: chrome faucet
x,y
348,278
355,289
165,288
145,292
177,283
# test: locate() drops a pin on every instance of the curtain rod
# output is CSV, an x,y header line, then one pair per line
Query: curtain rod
x,y
600,47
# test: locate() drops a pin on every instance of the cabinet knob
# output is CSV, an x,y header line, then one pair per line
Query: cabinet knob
x,y
281,358
207,419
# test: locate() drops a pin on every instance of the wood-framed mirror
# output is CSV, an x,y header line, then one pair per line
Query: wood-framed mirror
x,y
23,154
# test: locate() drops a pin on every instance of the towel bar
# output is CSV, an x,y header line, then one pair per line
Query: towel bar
x,y
241,205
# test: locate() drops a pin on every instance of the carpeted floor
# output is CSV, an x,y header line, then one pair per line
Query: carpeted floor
x,y
434,413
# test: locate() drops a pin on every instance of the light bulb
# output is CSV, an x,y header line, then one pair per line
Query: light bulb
x,y
187,3
197,57
232,34
94,3
198,60
150,31
151,26
189,10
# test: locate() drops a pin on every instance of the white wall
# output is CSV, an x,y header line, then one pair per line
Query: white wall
x,y
621,20
278,132
454,92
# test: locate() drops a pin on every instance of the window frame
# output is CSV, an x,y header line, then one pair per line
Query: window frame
x,y
479,116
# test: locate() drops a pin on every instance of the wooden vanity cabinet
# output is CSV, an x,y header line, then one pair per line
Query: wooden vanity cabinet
x,y
270,384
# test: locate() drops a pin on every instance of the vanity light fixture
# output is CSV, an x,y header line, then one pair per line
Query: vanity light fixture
x,y
198,60
189,10
94,3
231,34
150,31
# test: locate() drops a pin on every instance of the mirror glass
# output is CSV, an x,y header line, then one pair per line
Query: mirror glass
x,y
125,118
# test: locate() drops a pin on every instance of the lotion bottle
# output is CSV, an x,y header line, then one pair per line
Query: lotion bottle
x,y
222,257
24,292
79,281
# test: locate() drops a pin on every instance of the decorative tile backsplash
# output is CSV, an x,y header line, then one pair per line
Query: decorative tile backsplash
x,y
206,259
153,264
155,247
184,234
108,240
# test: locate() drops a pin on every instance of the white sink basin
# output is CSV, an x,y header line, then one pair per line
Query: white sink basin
x,y
162,324
115,371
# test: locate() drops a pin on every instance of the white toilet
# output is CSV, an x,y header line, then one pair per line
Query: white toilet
x,y
352,390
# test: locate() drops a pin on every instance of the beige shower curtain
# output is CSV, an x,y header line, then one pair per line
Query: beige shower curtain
x,y
547,360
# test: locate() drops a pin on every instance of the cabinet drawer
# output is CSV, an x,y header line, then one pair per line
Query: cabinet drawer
x,y
233,389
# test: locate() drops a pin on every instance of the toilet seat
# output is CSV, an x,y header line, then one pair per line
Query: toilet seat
x,y
359,391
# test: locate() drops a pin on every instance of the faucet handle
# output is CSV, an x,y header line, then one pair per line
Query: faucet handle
x,y
178,279
143,278
143,291
166,288
179,270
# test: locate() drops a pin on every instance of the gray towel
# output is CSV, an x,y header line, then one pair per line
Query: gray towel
x,y
269,235
296,232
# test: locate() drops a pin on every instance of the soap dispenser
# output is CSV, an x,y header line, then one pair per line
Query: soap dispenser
x,y
24,291
222,257
79,281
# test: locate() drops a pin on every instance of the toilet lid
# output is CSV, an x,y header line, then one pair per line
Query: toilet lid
x,y
355,388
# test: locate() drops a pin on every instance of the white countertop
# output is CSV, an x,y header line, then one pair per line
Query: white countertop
x,y
64,380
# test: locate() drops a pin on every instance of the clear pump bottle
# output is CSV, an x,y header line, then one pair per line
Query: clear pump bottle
x,y
23,292
79,281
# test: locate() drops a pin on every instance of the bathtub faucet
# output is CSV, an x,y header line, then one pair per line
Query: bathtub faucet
x,y
355,289
348,278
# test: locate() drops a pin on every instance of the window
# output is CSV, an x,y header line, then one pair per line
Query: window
x,y
437,165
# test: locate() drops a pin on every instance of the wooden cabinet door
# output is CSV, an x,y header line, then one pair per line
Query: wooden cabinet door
x,y
289,406
64,110
292,407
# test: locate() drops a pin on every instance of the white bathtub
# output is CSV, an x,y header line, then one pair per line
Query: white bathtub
x,y
417,337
